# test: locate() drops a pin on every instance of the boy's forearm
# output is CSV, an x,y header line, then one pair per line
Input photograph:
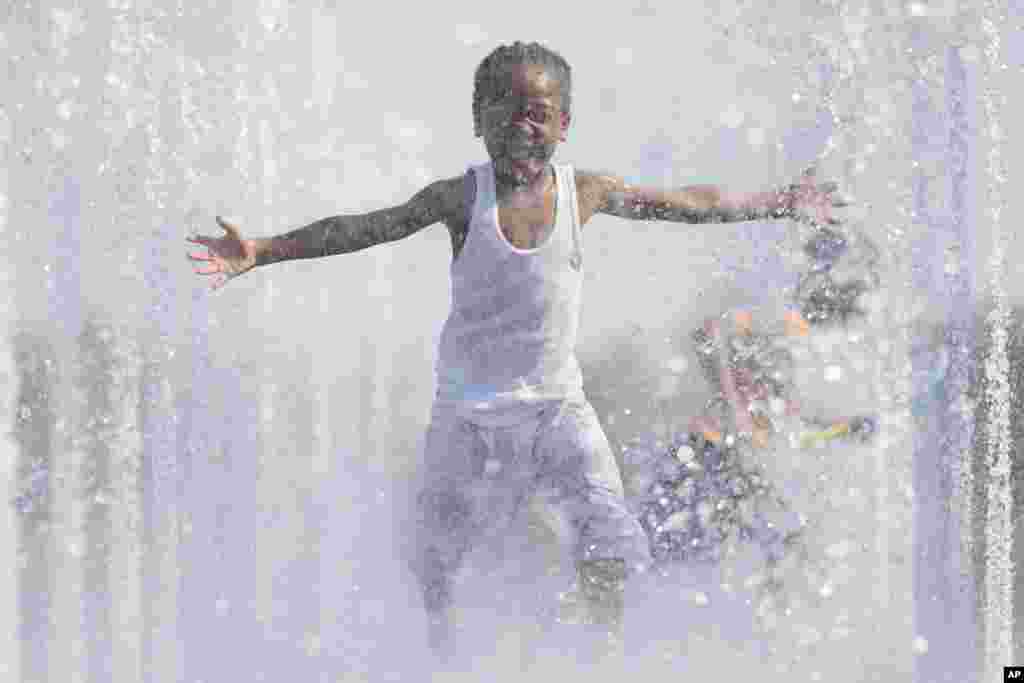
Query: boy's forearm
x,y
716,205
325,237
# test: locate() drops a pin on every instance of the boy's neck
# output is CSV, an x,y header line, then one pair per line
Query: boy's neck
x,y
536,188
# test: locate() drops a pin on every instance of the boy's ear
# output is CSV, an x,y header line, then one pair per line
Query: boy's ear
x,y
564,121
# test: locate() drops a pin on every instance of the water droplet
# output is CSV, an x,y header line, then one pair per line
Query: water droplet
x,y
704,511
732,117
59,138
970,53
839,550
676,365
623,56
678,520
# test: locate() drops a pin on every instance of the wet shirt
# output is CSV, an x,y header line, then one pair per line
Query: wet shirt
x,y
511,334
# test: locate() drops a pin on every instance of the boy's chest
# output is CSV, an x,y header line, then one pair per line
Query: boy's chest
x,y
529,226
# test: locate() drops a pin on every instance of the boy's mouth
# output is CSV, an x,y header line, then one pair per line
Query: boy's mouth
x,y
521,159
521,155
521,152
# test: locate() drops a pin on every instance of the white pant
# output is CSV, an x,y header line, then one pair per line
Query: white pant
x,y
481,469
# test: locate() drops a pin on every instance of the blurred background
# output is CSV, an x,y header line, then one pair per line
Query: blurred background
x,y
215,486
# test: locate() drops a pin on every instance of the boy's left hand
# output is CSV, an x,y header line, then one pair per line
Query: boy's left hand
x,y
812,202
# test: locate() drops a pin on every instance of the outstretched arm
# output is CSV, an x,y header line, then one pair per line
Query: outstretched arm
x,y
805,200
230,255
345,234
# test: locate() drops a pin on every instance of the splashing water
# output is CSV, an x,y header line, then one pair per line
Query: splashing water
x,y
211,488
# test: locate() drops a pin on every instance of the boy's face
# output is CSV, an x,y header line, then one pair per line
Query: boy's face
x,y
523,123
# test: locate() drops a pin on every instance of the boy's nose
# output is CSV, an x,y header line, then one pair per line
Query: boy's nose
x,y
519,115
523,128
518,129
518,119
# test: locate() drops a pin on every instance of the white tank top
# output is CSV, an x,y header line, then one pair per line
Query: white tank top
x,y
510,337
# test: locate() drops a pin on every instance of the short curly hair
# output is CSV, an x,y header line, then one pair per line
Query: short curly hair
x,y
488,73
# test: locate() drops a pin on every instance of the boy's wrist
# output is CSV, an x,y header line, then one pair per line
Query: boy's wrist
x,y
262,251
782,203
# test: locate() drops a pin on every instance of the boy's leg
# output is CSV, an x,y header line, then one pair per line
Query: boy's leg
x,y
446,519
581,479
602,585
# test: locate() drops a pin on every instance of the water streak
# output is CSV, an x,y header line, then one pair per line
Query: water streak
x,y
999,570
10,543
961,343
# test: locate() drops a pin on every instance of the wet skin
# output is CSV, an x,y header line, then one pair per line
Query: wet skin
x,y
521,125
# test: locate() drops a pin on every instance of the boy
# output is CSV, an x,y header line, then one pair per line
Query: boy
x,y
510,418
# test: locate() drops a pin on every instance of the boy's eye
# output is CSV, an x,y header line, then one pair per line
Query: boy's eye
x,y
510,106
537,114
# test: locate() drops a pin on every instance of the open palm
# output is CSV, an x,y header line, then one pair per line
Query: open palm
x,y
226,257
813,202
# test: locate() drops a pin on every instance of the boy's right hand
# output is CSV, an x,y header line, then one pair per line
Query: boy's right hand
x,y
228,256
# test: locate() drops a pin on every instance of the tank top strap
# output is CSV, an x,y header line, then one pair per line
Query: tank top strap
x,y
566,178
485,191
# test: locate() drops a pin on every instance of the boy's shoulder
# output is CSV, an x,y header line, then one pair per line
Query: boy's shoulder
x,y
454,195
593,189
591,176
